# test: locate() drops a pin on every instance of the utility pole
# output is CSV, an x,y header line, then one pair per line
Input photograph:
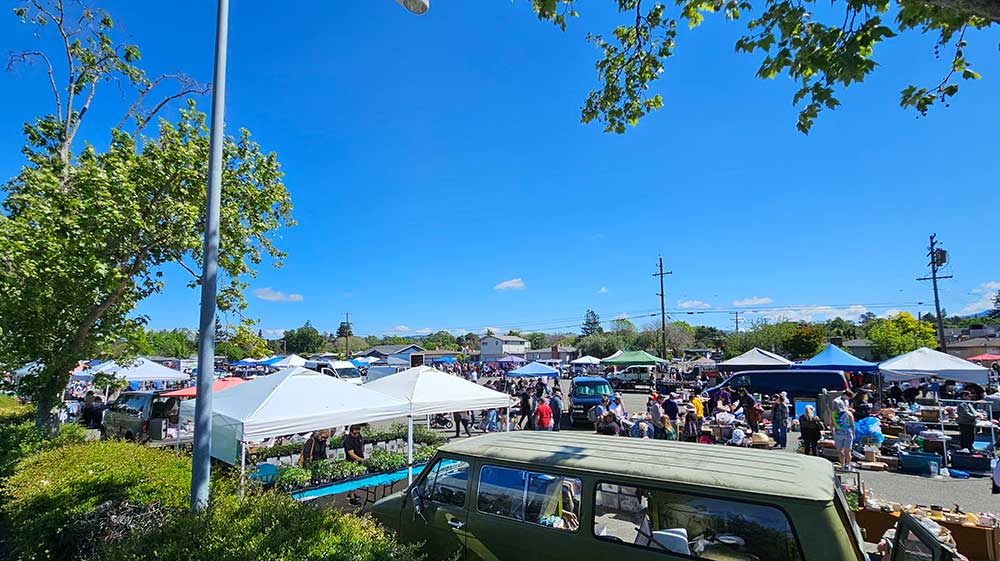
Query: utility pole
x,y
347,339
663,309
938,258
737,321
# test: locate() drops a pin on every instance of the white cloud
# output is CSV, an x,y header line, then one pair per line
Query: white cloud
x,y
273,333
816,313
512,284
890,312
603,290
623,315
424,331
458,332
271,295
753,301
693,304
489,328
397,330
984,297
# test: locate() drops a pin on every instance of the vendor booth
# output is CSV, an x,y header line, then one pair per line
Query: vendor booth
x,y
534,370
755,359
291,401
139,370
835,358
428,391
633,358
924,363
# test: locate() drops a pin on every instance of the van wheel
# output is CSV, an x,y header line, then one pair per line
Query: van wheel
x,y
129,436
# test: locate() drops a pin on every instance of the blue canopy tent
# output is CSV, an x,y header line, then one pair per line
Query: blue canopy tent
x,y
270,362
835,358
244,363
445,360
534,370
359,363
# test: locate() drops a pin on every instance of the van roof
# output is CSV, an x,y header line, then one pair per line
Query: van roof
x,y
738,469
590,379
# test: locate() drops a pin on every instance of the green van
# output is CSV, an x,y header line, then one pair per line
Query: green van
x,y
542,495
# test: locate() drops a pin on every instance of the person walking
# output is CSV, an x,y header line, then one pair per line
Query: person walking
x,y
461,421
811,428
843,432
543,415
779,421
556,404
966,421
314,448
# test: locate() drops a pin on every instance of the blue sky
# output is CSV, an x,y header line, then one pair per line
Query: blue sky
x,y
434,161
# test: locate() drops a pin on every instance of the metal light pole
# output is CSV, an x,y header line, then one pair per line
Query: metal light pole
x,y
201,463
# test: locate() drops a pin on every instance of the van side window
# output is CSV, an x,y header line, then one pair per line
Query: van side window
x,y
700,527
446,483
536,498
740,381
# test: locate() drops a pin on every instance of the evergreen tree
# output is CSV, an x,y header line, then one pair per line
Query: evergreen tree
x,y
591,324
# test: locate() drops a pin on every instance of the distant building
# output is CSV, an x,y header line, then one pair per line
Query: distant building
x,y
562,353
861,348
492,347
975,346
383,351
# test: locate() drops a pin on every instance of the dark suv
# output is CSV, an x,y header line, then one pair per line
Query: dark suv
x,y
798,383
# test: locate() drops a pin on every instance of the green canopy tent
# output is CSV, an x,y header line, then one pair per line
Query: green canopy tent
x,y
634,358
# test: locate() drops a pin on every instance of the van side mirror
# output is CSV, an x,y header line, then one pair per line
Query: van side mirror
x,y
418,502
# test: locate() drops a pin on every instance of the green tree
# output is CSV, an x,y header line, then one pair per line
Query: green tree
x,y
840,327
709,337
179,343
822,48
85,235
995,312
470,341
440,341
900,334
344,330
538,340
250,343
591,324
600,344
805,341
763,334
305,339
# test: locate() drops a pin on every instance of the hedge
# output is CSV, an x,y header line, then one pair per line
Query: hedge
x,y
19,438
52,489
264,526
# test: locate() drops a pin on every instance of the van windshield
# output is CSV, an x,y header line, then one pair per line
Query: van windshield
x,y
348,373
592,389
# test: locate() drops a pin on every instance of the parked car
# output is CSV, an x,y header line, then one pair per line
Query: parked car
x,y
340,369
798,383
130,415
542,495
633,377
584,393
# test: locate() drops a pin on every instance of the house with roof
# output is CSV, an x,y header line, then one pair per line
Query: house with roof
x,y
385,351
562,353
975,346
493,347
861,348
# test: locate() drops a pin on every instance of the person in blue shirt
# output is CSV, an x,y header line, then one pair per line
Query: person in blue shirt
x,y
671,410
555,402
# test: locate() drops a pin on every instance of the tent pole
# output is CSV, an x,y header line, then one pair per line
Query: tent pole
x,y
243,464
507,413
409,449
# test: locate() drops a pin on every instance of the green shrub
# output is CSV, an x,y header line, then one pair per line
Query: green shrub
x,y
424,454
19,438
424,435
346,469
52,488
263,526
381,459
293,477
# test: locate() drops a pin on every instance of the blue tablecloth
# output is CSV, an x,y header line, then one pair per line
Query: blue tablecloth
x,y
355,484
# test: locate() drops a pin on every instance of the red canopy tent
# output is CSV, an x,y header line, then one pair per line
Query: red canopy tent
x,y
217,386
985,356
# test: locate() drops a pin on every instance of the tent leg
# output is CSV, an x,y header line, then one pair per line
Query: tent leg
x,y
409,450
243,465
507,413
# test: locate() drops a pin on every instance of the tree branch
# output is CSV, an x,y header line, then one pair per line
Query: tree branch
x,y
26,57
987,9
188,87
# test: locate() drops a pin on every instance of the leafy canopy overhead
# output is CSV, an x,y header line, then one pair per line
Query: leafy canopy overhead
x,y
86,235
823,47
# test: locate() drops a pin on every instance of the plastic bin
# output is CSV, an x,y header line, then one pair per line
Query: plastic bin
x,y
918,462
970,462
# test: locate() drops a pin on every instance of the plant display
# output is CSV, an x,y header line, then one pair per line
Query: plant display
x,y
424,454
293,477
383,460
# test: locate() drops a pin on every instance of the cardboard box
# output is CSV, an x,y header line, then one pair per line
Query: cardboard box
x,y
874,466
870,456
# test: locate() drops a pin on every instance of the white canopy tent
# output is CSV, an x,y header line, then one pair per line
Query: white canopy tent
x,y
754,359
33,367
588,360
290,401
615,355
290,360
140,370
429,391
924,363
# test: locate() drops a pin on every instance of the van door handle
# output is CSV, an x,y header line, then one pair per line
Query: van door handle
x,y
456,523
